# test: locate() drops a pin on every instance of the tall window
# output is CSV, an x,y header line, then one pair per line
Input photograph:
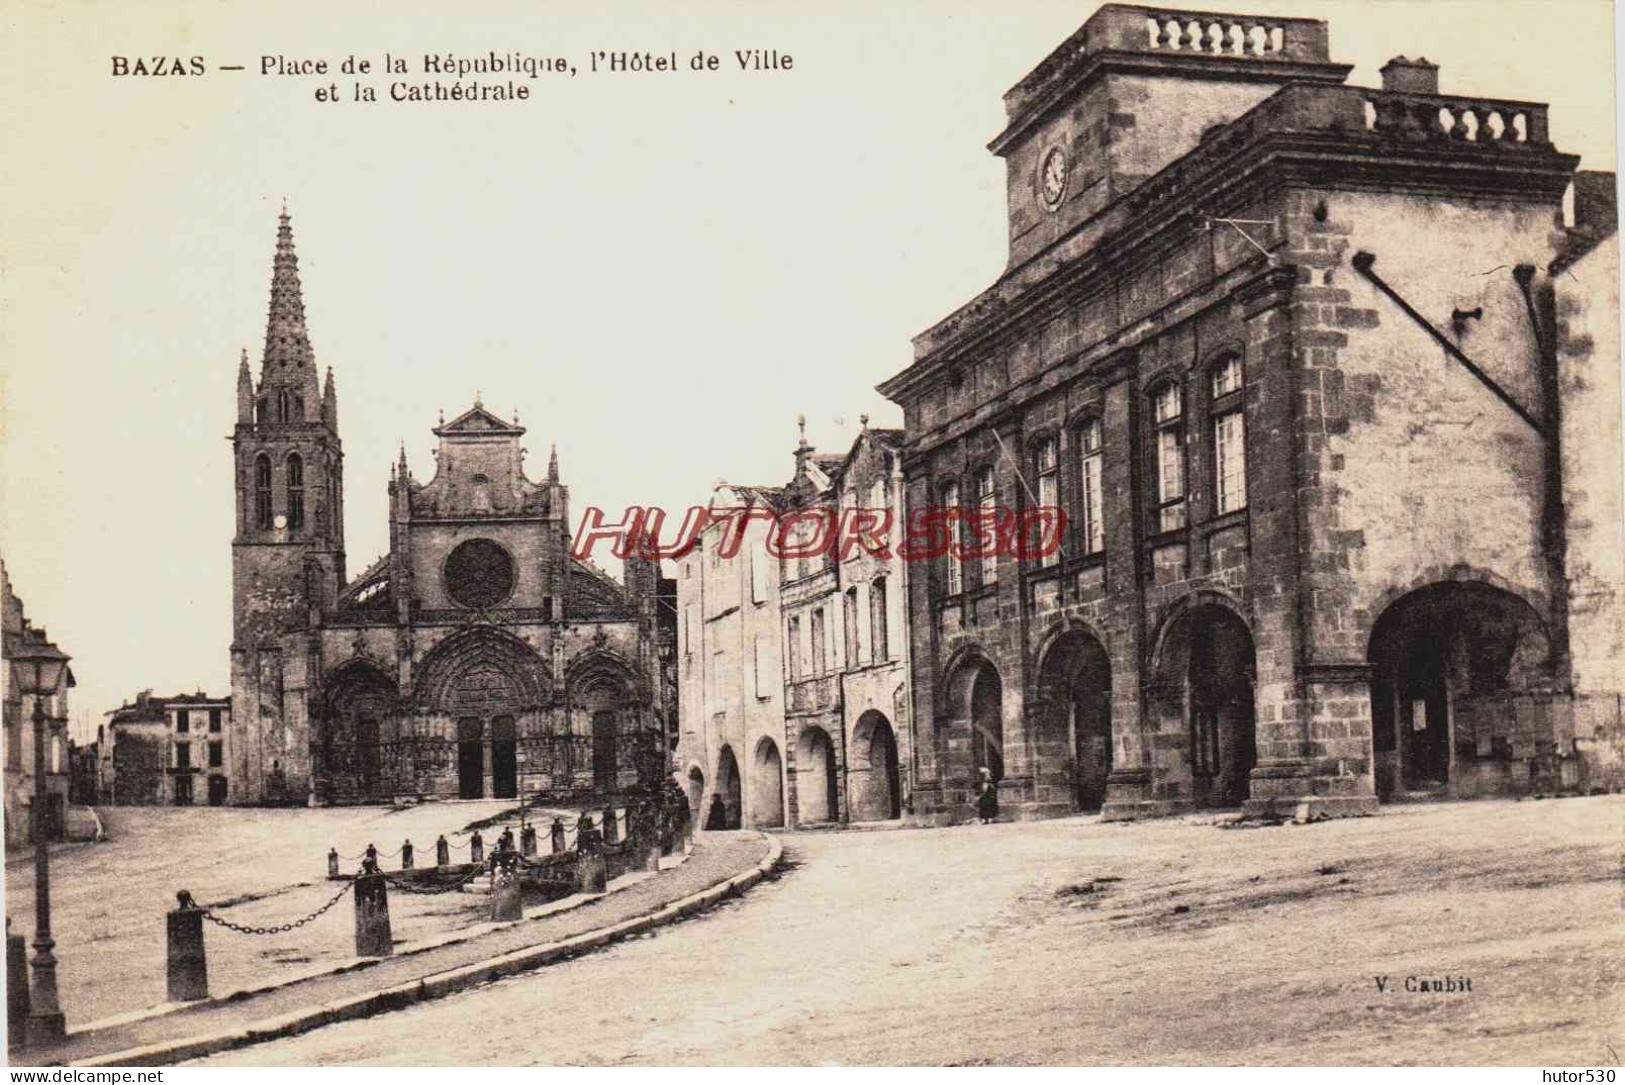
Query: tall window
x,y
262,492
820,646
850,613
296,492
1049,491
987,499
216,755
1094,507
758,573
1229,436
214,720
956,535
793,644
183,721
879,650
758,668
1168,415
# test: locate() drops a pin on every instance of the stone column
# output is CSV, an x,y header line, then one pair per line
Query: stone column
x,y
1312,705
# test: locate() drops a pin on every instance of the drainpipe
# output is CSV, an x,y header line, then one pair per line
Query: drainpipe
x,y
907,686
1541,312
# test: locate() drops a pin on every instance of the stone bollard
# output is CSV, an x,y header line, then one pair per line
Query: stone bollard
x,y
594,876
332,862
506,905
372,934
188,968
17,1001
406,856
442,852
476,848
560,846
649,841
612,831
592,873
527,841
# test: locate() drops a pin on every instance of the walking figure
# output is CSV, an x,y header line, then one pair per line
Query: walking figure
x,y
987,801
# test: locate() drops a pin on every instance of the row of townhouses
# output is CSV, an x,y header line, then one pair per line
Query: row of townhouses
x,y
22,786
1326,380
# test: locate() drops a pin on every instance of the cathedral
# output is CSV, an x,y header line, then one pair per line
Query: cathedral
x,y
477,658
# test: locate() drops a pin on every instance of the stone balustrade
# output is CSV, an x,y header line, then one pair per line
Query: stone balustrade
x,y
1385,115
1452,119
1215,35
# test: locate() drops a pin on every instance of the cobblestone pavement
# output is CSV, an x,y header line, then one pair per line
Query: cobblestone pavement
x,y
716,858
254,867
1070,941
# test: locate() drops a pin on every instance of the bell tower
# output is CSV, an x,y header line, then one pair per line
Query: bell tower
x,y
287,549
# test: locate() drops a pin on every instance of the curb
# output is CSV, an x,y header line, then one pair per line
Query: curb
x,y
436,984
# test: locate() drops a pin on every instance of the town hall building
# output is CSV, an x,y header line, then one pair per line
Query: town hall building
x,y
1335,433
477,658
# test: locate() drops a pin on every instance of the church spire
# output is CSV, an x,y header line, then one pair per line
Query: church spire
x,y
804,450
553,463
288,359
245,390
330,403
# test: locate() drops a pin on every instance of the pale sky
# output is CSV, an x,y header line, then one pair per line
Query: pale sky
x,y
659,271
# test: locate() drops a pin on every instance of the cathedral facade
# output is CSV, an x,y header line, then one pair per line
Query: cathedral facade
x,y
477,658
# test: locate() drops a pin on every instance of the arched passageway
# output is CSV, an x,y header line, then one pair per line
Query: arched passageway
x,y
1204,678
767,800
696,795
729,786
875,784
987,723
817,778
1074,721
1449,664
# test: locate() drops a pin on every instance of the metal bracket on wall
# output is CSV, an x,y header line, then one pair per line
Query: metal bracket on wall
x,y
1364,263
1237,224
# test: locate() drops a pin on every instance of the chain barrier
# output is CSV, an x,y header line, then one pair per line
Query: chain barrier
x,y
570,828
242,928
408,887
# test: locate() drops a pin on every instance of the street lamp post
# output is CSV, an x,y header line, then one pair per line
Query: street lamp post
x,y
38,670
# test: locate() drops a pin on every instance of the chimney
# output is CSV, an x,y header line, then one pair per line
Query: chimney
x,y
1410,76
